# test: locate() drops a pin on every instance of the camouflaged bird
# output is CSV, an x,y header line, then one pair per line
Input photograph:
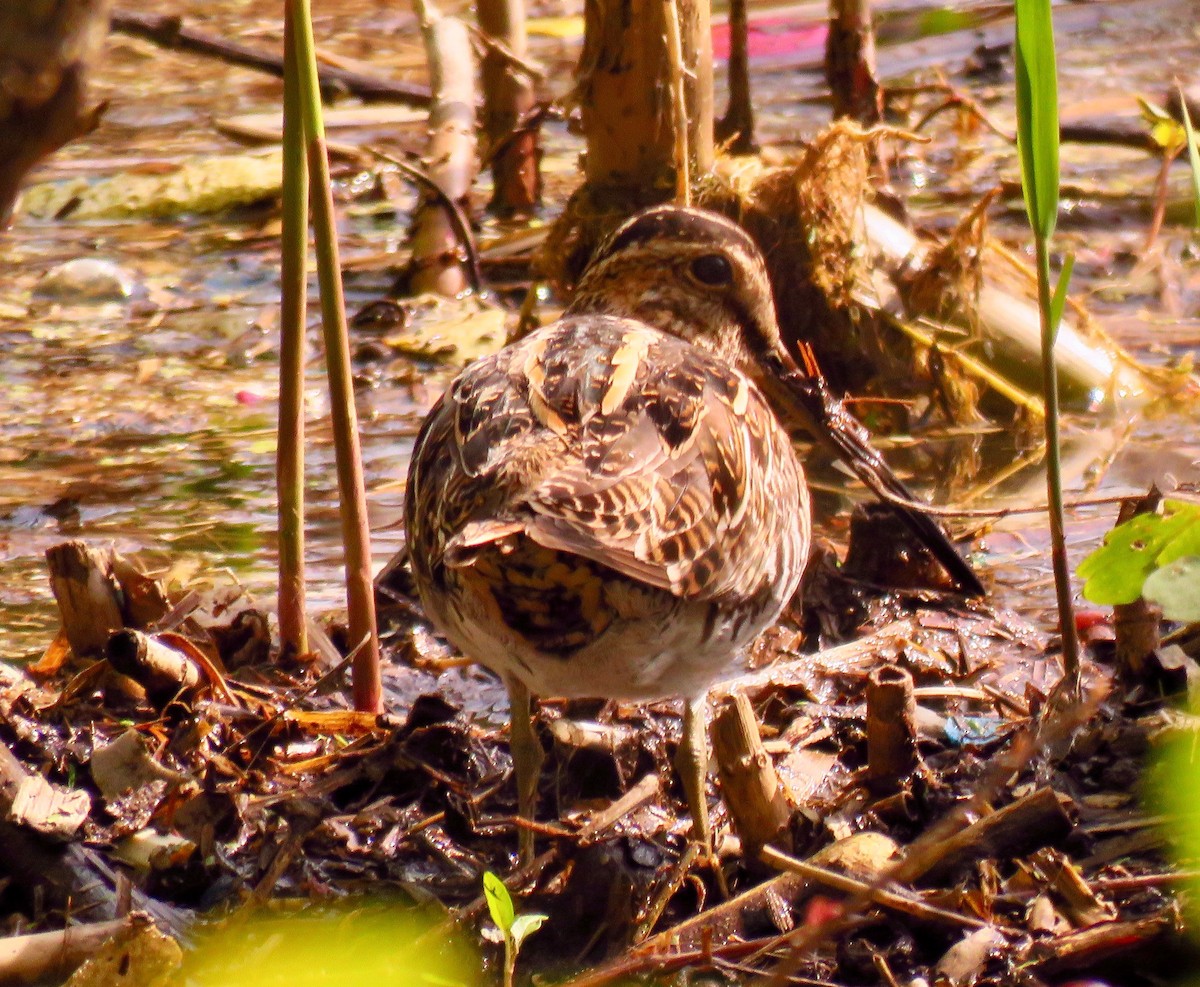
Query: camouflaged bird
x,y
610,507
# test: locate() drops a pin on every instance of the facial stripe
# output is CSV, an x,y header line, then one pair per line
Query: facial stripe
x,y
672,222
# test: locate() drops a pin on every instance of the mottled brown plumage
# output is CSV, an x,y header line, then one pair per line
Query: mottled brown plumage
x,y
610,506
604,510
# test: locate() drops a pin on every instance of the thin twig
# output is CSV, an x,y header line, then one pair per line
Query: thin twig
x,y
526,66
458,219
957,101
679,114
891,900
171,32
997,513
1044,733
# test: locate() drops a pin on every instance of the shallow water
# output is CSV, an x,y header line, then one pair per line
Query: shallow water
x,y
149,422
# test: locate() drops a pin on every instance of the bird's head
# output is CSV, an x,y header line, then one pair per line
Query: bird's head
x,y
699,276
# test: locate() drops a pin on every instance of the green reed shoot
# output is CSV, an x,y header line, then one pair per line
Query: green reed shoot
x,y
1038,143
293,277
360,598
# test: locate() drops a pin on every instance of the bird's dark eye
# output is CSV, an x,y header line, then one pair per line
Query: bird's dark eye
x,y
713,270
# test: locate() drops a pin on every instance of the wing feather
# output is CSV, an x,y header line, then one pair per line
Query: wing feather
x,y
669,488
613,441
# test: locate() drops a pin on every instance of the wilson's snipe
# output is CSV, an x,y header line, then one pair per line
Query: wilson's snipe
x,y
610,507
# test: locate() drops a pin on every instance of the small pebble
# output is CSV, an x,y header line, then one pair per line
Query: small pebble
x,y
85,281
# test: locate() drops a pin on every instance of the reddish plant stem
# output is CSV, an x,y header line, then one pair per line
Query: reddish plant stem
x,y
360,598
507,100
289,456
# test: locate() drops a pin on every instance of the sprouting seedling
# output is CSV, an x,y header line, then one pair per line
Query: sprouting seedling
x,y
513,928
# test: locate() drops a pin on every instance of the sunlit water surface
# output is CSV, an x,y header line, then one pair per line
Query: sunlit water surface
x,y
149,423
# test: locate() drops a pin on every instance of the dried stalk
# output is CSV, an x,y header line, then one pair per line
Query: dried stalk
x,y
52,956
1026,824
87,593
624,74
884,897
439,258
507,100
1136,624
158,668
850,62
749,783
891,728
737,125
679,113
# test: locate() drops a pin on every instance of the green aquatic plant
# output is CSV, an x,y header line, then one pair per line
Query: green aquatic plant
x,y
1154,555
293,308
1038,143
360,598
514,928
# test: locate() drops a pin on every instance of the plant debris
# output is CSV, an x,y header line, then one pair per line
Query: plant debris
x,y
1002,840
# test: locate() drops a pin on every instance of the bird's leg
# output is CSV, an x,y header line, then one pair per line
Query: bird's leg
x,y
527,755
691,761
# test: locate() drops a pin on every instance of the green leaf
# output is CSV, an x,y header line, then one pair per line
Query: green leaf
x,y
526,925
1037,113
1059,301
1193,151
1116,572
1176,588
1152,112
499,902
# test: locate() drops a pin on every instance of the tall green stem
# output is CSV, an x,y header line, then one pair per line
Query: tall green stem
x,y
289,460
1038,144
1054,492
360,598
